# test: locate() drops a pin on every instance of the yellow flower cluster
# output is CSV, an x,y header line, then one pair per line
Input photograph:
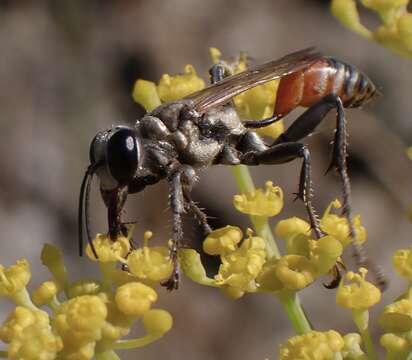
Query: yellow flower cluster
x,y
241,261
328,345
395,32
306,259
88,318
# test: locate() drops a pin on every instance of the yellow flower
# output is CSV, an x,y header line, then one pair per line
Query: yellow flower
x,y
135,298
260,203
295,271
324,253
85,313
192,267
259,103
157,321
397,346
79,323
384,6
296,233
396,30
52,258
352,348
359,294
173,88
30,336
347,13
145,94
397,35
290,227
402,261
14,278
150,263
397,317
19,319
337,226
240,268
35,343
45,293
313,345
267,279
223,240
109,250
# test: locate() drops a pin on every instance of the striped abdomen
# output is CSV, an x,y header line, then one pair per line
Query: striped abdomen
x,y
325,76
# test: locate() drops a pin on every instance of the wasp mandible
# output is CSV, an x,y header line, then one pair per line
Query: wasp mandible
x,y
178,138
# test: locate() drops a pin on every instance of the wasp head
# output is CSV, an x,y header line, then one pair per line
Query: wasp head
x,y
115,155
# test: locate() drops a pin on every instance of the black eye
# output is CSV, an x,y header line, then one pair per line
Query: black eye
x,y
122,155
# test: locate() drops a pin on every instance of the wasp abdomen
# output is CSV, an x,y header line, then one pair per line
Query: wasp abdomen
x,y
323,77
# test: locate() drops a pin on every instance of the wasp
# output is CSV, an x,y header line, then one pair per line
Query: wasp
x,y
176,139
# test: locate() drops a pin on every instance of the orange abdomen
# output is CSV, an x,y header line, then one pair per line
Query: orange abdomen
x,y
307,87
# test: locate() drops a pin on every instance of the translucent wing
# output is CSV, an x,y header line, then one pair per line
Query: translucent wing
x,y
221,92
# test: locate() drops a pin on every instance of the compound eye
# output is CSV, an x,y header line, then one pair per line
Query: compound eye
x,y
122,155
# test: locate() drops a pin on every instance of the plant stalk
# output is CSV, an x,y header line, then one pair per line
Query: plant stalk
x,y
290,301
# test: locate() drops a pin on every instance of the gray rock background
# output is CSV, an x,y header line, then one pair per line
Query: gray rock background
x,y
66,71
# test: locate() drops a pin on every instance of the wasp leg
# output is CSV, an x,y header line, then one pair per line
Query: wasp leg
x,y
197,212
256,124
115,200
302,127
282,153
181,178
219,71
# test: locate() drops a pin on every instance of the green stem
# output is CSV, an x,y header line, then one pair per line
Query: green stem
x,y
367,341
361,319
290,301
22,298
137,343
107,269
295,313
107,355
4,354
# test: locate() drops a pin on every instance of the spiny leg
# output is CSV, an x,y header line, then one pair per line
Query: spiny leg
x,y
180,178
302,127
177,206
282,153
197,212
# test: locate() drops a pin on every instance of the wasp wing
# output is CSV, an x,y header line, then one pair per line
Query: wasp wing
x,y
222,92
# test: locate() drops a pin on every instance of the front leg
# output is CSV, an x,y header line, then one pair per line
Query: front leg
x,y
184,176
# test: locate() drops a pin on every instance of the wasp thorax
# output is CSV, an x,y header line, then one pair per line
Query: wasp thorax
x,y
116,153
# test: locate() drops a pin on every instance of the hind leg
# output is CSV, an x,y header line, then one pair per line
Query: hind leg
x,y
305,125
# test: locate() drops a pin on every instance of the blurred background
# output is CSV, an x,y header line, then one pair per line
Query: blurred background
x,y
67,69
